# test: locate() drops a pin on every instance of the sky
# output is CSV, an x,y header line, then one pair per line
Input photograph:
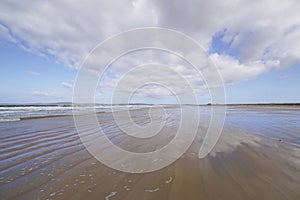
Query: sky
x,y
254,44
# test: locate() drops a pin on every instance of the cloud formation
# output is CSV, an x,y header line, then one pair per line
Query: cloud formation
x,y
67,85
33,73
44,94
265,34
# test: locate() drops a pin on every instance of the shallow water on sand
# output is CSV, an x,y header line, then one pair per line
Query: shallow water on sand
x,y
278,122
257,157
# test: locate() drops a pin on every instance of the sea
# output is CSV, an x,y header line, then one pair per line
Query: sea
x,y
17,112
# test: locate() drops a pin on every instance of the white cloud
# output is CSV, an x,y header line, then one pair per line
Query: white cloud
x,y
43,94
265,33
153,91
233,71
33,73
5,35
67,85
146,81
69,30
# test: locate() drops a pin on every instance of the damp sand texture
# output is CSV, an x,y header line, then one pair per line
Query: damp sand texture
x,y
257,157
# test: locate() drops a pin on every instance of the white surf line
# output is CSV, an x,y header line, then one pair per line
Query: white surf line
x,y
110,195
9,120
169,181
154,190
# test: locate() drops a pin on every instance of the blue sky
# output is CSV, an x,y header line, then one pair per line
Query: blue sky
x,y
41,48
275,86
27,78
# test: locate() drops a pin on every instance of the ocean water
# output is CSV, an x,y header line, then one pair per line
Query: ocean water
x,y
277,122
19,112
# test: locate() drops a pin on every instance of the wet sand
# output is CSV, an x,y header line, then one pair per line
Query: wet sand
x,y
43,158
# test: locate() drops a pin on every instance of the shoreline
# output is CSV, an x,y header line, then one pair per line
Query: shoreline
x,y
70,104
44,158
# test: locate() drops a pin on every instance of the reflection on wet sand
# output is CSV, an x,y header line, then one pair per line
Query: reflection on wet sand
x,y
45,159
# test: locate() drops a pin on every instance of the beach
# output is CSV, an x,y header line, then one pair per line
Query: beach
x,y
256,157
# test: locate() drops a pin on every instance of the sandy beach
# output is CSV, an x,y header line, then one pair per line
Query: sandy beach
x,y
149,100
257,157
